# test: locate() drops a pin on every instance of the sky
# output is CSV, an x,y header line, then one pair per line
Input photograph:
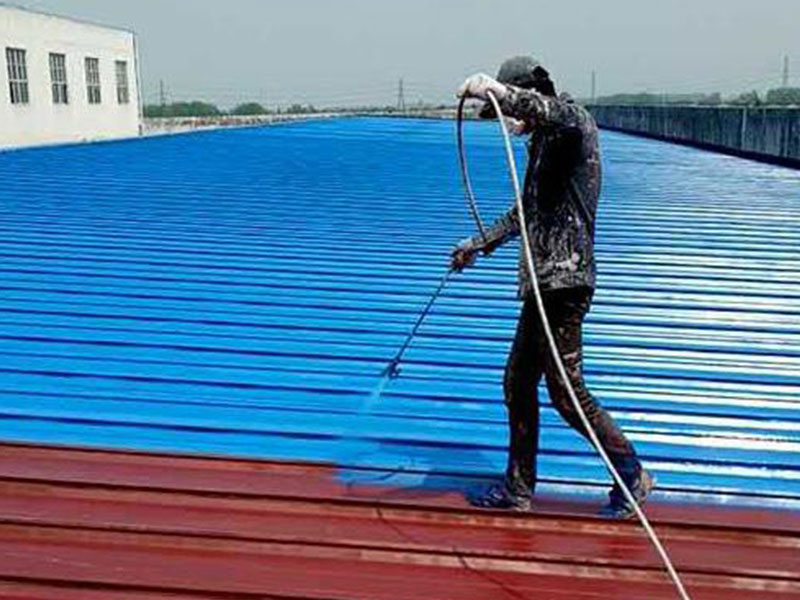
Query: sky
x,y
353,52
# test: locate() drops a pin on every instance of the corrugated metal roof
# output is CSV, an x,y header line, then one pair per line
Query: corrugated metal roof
x,y
239,292
83,525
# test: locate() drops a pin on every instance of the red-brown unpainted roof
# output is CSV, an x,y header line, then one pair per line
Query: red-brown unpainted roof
x,y
89,524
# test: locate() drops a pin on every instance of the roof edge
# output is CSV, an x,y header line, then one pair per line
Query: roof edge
x,y
37,11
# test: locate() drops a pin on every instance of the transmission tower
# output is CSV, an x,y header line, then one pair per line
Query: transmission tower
x,y
594,86
785,71
401,97
162,95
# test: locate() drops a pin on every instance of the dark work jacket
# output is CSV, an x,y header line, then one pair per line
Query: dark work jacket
x,y
560,195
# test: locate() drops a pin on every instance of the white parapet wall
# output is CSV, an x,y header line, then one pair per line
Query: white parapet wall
x,y
33,49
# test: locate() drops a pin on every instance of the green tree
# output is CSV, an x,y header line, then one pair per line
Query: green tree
x,y
783,96
182,109
646,99
249,109
714,99
747,99
631,99
299,109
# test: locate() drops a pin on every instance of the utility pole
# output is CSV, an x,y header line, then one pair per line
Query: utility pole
x,y
162,96
785,72
594,87
401,97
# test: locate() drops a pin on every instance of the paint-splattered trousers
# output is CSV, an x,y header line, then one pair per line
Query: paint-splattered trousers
x,y
530,358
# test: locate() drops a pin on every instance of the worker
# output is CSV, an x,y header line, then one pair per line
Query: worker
x,y
560,196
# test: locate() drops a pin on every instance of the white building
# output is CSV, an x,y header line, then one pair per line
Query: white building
x,y
64,80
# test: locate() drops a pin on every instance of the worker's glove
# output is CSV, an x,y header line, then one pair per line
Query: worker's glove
x,y
463,256
479,85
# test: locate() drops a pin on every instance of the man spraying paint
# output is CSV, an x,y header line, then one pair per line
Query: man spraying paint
x,y
560,195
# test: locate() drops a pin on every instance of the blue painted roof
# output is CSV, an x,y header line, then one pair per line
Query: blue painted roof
x,y
240,292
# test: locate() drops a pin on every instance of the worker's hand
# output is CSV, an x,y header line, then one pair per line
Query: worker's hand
x,y
463,256
479,85
517,127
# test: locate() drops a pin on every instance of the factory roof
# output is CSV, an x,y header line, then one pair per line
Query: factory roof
x,y
238,294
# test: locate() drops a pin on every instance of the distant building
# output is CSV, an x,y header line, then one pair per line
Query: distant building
x,y
65,80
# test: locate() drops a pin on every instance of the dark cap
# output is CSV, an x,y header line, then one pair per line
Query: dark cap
x,y
519,71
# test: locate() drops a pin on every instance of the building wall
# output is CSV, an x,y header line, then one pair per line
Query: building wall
x,y
771,134
43,122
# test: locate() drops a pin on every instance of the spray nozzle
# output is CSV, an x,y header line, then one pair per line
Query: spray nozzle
x,y
392,370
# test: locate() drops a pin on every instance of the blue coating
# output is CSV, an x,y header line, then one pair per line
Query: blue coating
x,y
241,292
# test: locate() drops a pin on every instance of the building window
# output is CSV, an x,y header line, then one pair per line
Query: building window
x,y
93,80
17,76
123,90
58,78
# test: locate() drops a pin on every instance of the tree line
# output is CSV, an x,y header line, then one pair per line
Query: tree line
x,y
776,97
206,109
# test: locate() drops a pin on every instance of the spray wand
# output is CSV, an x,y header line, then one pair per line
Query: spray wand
x,y
392,370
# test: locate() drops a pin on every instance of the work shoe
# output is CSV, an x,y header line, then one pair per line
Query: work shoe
x,y
500,497
618,506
